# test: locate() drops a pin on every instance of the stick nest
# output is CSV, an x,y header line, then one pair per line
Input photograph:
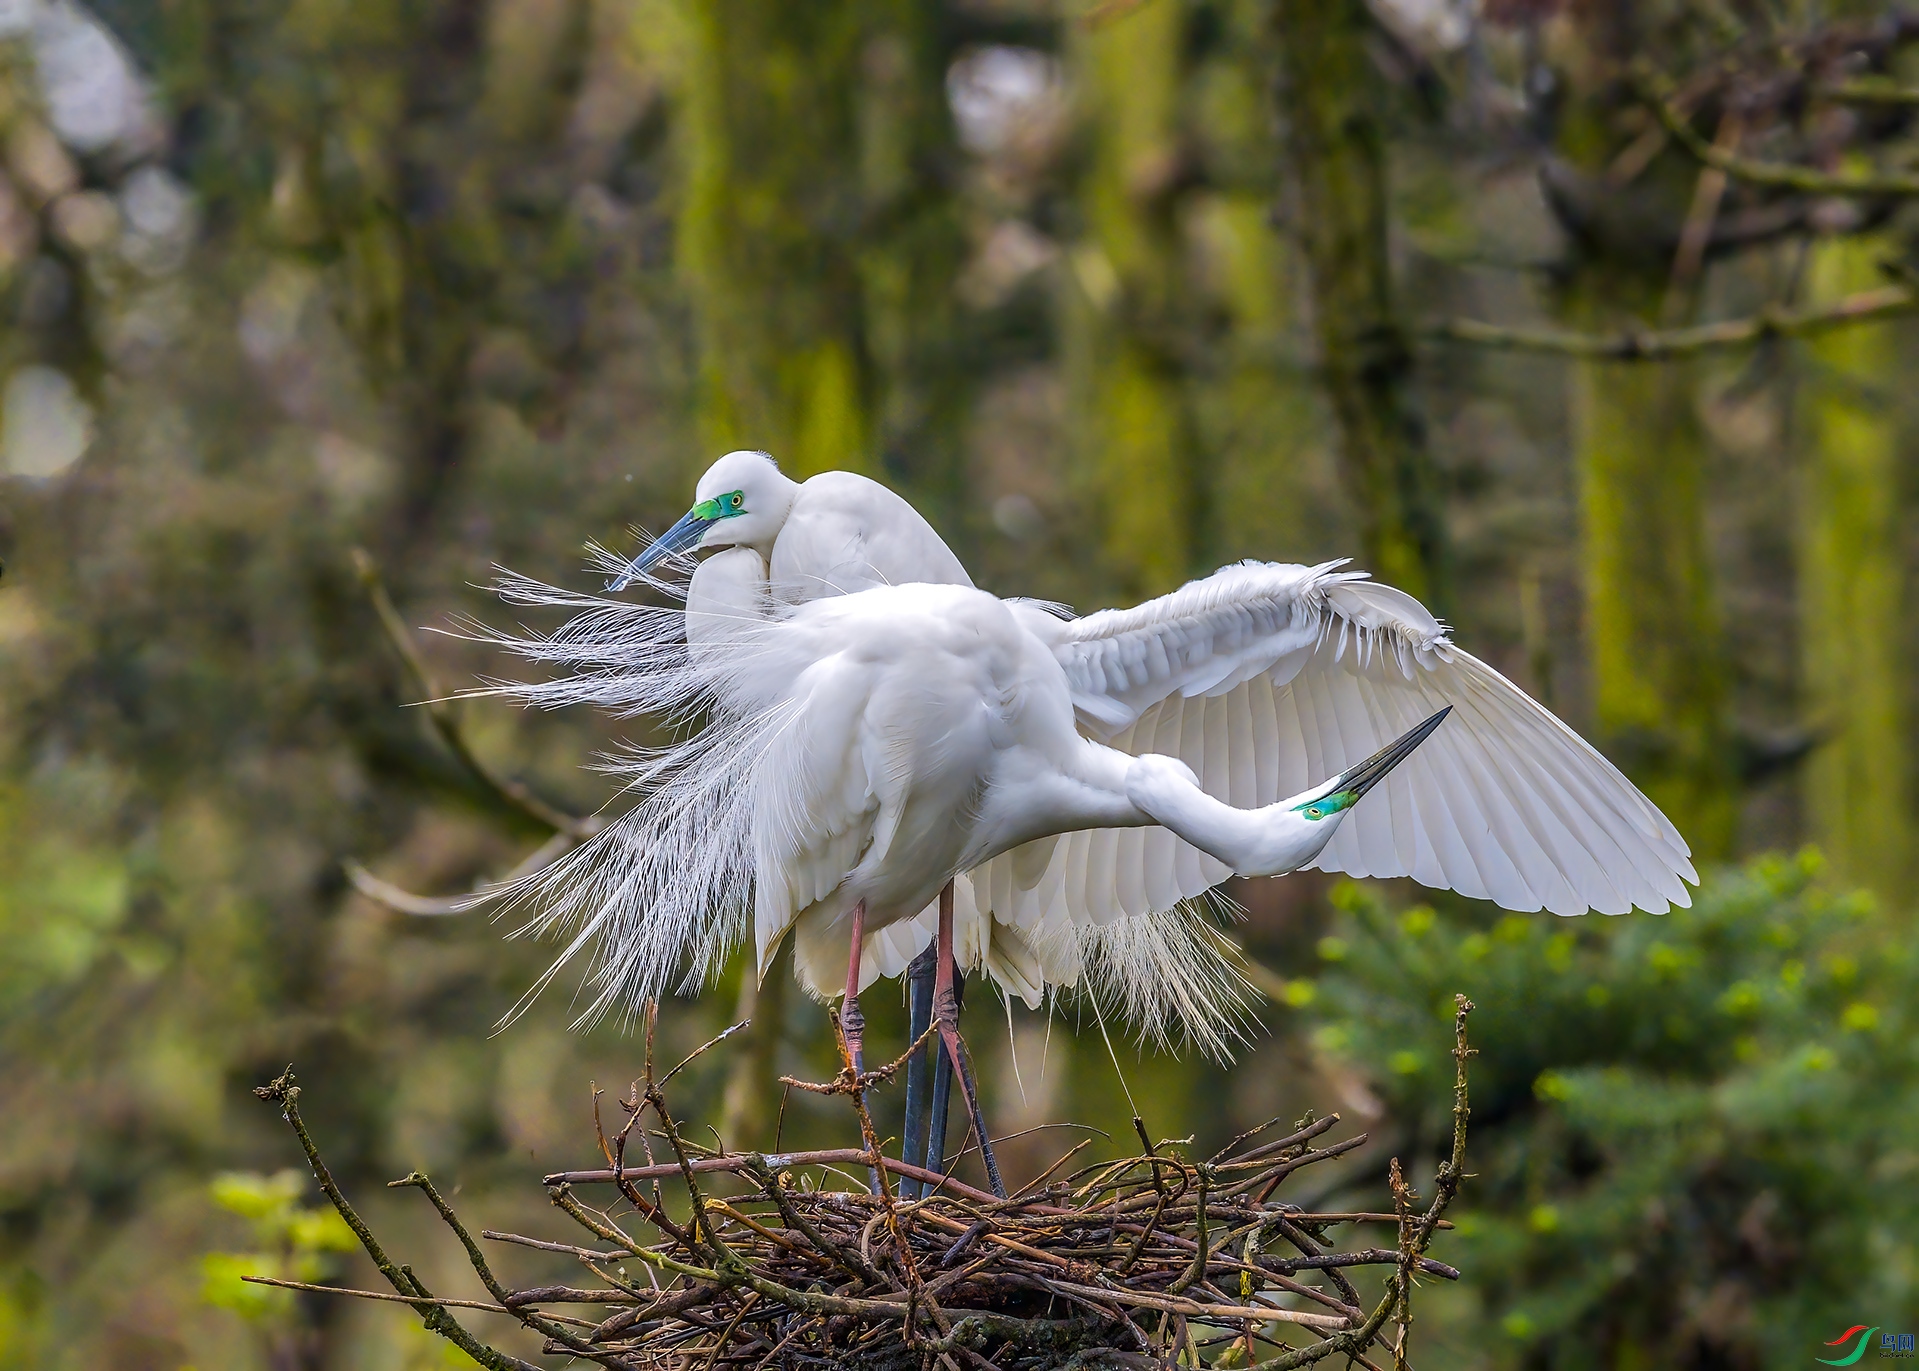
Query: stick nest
x,y
702,1259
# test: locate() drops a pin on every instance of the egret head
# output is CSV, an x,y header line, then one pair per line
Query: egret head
x,y
743,499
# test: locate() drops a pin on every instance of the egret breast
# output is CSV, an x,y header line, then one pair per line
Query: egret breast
x,y
897,717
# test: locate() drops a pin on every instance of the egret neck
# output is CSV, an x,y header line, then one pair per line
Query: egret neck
x,y
726,598
1277,838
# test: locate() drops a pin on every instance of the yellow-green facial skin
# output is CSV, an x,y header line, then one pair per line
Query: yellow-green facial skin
x,y
728,506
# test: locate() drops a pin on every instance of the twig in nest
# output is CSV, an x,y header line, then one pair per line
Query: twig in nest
x,y
1148,1254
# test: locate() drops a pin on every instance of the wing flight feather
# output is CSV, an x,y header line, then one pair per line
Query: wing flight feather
x,y
1268,678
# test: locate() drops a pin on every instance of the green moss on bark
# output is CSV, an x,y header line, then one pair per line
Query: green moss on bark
x,y
1851,574
1658,682
1331,98
1126,283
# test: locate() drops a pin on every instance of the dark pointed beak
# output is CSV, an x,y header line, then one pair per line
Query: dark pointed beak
x,y
680,537
1372,771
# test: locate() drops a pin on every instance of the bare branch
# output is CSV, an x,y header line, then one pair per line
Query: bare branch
x,y
1755,171
438,906
444,717
286,1094
1663,344
595,1295
310,1287
1868,90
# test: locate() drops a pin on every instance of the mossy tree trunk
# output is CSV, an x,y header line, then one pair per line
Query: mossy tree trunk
x,y
388,182
1851,576
1331,96
1653,640
1654,646
809,145
1123,315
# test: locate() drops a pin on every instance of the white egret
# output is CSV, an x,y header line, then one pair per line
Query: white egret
x,y
839,533
834,534
865,749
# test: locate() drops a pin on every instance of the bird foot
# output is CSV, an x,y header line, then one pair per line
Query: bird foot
x,y
853,1035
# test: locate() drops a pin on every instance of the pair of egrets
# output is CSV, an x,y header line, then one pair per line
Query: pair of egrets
x,y
886,757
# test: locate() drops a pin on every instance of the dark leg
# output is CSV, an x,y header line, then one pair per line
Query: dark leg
x,y
946,1014
942,1097
852,1022
919,1070
942,1064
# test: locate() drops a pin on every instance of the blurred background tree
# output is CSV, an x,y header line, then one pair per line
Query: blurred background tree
x,y
1547,310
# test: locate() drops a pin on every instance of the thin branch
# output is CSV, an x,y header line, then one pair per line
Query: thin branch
x,y
1193,1308
445,719
439,906
378,1295
1696,233
1660,345
1446,1184
1296,1138
286,1094
482,1305
1758,172
532,1318
1040,1179
739,1027
744,1161
1868,90
570,1249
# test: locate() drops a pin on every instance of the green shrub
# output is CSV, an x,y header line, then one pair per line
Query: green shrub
x,y
1695,1138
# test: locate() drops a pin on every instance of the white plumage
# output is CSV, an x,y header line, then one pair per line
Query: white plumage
x,y
870,746
1264,679
838,533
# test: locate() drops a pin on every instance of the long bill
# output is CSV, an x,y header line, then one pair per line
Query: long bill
x,y
1275,838
684,534
1356,781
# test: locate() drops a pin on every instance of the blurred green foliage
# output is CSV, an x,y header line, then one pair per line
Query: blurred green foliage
x,y
291,1242
1693,1136
468,282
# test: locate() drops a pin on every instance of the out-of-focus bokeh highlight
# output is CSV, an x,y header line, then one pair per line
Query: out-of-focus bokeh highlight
x,y
1116,292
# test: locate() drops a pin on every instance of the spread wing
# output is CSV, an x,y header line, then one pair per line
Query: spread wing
x,y
1267,679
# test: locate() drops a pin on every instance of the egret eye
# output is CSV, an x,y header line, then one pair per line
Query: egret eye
x,y
1313,813
735,500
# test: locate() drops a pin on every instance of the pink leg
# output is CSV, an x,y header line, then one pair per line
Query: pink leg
x,y
852,1022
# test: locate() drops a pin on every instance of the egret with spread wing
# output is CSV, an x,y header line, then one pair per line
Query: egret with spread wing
x,y
840,533
865,749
